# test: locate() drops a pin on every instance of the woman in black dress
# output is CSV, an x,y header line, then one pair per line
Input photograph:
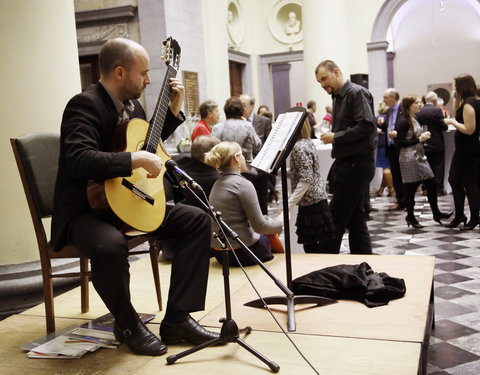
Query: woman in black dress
x,y
463,170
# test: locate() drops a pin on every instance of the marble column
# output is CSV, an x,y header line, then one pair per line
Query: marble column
x,y
377,66
325,37
39,74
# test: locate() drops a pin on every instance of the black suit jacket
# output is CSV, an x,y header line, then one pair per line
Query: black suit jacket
x,y
86,134
202,174
432,116
262,126
391,149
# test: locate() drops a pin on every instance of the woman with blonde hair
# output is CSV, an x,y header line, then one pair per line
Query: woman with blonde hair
x,y
235,197
314,220
413,162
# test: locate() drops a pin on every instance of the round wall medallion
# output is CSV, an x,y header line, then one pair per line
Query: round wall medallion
x,y
235,24
285,22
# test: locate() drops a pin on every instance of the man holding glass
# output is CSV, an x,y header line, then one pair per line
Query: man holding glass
x,y
353,139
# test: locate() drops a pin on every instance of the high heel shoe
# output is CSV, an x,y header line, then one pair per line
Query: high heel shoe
x,y
379,192
413,222
438,218
470,225
456,221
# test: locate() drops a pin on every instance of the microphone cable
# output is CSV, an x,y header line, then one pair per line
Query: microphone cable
x,y
261,298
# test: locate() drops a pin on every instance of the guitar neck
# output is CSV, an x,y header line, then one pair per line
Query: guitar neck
x,y
158,119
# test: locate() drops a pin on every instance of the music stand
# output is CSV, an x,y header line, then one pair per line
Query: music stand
x,y
278,147
229,331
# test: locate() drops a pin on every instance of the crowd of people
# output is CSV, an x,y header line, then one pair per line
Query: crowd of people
x,y
412,134
220,162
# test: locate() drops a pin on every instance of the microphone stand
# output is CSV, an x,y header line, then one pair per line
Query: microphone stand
x,y
290,300
281,145
229,331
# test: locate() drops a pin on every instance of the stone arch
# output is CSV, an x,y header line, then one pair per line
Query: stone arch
x,y
377,48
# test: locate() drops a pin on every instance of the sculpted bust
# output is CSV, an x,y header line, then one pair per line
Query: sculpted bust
x,y
292,26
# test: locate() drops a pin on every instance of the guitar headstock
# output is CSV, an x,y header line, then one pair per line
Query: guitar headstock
x,y
171,52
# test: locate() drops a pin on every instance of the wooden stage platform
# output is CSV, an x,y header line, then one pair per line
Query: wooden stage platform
x,y
344,338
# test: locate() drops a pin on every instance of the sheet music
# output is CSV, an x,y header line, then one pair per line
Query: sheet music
x,y
277,140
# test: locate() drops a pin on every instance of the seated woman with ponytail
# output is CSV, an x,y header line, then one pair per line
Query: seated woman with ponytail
x,y
235,197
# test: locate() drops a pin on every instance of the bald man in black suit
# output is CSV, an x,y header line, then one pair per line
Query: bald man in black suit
x,y
432,117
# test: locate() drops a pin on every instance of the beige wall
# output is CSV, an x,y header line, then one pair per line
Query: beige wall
x,y
39,74
216,53
338,30
434,45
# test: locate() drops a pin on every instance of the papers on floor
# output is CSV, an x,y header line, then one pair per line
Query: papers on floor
x,y
75,341
74,344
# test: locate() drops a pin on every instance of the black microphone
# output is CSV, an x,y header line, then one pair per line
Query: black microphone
x,y
173,168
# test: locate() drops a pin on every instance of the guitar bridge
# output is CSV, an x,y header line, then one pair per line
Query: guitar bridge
x,y
135,190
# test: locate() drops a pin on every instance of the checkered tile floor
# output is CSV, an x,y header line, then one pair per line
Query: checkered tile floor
x,y
455,341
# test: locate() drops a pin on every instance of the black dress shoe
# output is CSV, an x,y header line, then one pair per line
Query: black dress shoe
x,y
411,220
438,217
140,340
456,221
470,225
188,331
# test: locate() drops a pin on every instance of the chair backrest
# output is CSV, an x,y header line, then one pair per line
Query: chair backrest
x,y
37,160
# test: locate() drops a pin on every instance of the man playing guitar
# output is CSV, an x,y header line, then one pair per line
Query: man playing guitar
x,y
88,129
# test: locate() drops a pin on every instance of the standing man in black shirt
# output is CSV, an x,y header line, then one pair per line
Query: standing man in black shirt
x,y
353,139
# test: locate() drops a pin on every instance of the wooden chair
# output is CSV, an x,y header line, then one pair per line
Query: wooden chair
x,y
36,155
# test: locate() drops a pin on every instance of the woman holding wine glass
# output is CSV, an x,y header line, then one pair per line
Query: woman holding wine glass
x,y
414,166
463,169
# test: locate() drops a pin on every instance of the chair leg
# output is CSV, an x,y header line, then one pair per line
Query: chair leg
x,y
156,274
84,279
48,300
48,293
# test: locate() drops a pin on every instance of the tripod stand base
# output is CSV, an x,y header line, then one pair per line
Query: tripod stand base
x,y
290,302
229,333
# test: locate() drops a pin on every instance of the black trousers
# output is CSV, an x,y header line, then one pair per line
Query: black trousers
x,y
411,188
352,178
108,253
437,163
392,154
261,182
464,181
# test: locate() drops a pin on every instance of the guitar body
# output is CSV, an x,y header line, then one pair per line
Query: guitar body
x,y
140,205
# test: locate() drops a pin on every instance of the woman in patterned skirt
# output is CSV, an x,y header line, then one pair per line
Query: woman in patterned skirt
x,y
314,221
413,162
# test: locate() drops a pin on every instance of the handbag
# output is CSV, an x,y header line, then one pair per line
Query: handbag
x,y
276,245
424,168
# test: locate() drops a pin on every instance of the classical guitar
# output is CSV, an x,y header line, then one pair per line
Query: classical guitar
x,y
138,201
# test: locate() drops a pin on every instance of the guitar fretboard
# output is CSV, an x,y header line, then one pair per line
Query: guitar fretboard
x,y
158,119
